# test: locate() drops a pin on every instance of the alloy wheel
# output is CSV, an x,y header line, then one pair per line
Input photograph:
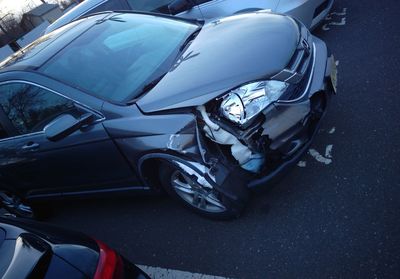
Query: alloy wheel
x,y
196,195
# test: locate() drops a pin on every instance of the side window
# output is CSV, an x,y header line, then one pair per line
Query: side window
x,y
150,6
30,108
110,5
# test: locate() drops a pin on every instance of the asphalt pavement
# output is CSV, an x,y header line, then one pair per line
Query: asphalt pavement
x,y
334,216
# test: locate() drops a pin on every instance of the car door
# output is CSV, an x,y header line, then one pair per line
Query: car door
x,y
161,6
87,159
211,9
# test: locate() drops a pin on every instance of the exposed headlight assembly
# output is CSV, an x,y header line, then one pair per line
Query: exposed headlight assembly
x,y
244,103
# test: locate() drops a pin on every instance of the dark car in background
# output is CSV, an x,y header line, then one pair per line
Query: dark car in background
x,y
130,102
309,12
34,250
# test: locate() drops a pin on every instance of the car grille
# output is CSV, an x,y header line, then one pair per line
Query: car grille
x,y
296,90
298,71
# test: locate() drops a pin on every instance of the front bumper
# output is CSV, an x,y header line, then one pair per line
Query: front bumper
x,y
273,175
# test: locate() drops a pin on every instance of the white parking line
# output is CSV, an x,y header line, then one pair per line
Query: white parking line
x,y
302,164
343,13
157,272
330,22
331,131
328,151
314,153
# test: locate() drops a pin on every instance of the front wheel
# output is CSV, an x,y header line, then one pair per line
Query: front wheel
x,y
201,199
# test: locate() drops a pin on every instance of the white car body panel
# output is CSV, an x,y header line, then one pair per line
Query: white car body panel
x,y
303,10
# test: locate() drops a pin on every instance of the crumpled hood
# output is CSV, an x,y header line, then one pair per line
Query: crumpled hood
x,y
226,54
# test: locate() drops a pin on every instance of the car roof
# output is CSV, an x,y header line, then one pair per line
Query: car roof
x,y
38,52
34,55
74,13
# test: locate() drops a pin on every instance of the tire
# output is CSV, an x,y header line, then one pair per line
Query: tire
x,y
208,203
17,206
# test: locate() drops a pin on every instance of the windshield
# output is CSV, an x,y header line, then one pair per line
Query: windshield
x,y
119,56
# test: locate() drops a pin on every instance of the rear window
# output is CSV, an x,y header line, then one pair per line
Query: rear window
x,y
110,5
117,57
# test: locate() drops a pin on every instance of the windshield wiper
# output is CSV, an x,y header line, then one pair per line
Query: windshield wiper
x,y
151,84
190,38
147,88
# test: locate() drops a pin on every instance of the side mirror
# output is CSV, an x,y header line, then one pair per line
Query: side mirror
x,y
65,125
179,6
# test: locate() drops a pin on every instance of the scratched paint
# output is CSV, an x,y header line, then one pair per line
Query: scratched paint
x,y
332,130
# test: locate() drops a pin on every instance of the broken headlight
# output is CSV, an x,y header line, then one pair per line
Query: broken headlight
x,y
244,103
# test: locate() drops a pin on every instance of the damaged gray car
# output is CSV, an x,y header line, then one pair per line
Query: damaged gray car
x,y
129,102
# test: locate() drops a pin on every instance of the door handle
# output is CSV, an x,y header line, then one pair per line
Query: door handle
x,y
30,146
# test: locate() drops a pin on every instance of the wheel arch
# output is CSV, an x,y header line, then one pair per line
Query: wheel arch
x,y
147,163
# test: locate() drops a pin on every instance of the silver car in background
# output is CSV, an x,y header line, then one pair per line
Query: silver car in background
x,y
310,12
